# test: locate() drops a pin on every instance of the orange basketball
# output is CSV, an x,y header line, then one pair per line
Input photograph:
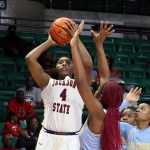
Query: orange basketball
x,y
58,33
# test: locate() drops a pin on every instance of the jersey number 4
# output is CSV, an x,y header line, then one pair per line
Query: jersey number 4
x,y
63,95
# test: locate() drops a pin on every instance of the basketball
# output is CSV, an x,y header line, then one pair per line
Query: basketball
x,y
58,33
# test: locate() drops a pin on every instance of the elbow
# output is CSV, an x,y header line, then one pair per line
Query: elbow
x,y
28,59
88,65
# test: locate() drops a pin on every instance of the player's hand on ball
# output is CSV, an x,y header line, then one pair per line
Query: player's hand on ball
x,y
52,41
77,33
72,27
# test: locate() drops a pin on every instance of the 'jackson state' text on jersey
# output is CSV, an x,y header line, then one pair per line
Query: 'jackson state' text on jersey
x,y
63,106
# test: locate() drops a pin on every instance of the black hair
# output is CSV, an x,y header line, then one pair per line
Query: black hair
x,y
19,92
10,114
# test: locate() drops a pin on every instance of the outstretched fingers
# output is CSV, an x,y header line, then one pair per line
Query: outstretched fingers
x,y
80,28
138,92
109,30
93,33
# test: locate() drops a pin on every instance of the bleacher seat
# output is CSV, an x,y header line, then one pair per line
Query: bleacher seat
x,y
7,64
1,127
22,66
58,54
146,85
7,94
121,69
84,116
2,52
109,46
14,141
122,59
132,81
144,98
137,73
41,37
1,143
144,48
129,47
142,60
3,80
16,79
3,111
40,113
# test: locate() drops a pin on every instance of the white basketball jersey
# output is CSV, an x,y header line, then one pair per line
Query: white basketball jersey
x,y
63,106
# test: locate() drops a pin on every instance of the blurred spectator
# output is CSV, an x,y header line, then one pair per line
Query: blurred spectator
x,y
14,45
22,108
7,143
32,94
114,72
11,126
33,129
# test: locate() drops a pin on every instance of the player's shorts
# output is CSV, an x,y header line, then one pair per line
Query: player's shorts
x,y
47,141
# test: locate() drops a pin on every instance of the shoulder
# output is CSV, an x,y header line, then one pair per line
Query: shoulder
x,y
126,126
12,101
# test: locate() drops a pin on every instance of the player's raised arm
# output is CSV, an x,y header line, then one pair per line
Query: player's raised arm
x,y
90,101
99,38
86,60
85,56
35,68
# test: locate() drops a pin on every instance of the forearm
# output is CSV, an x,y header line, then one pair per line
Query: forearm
x,y
86,60
124,105
77,64
85,56
36,52
103,68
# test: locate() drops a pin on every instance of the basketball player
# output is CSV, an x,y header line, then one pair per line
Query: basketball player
x,y
101,130
62,101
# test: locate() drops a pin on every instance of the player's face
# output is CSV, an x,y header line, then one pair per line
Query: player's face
x,y
142,113
128,116
64,67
